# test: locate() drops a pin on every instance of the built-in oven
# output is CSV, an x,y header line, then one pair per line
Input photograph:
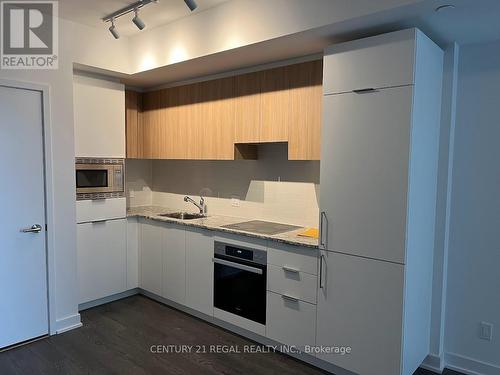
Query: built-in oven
x,y
99,178
240,281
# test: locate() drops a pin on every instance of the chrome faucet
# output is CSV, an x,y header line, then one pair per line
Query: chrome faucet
x,y
201,206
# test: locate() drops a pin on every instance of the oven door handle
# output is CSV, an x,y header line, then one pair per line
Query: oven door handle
x,y
237,265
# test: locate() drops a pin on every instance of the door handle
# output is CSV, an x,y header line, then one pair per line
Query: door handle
x,y
321,271
35,228
323,238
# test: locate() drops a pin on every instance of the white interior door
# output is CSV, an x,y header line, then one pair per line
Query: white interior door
x,y
23,260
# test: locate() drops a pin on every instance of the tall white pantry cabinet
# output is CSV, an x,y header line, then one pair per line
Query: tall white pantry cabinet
x,y
382,100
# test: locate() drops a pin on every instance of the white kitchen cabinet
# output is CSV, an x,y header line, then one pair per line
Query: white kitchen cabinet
x,y
386,60
99,114
364,172
101,249
359,306
378,197
302,259
290,321
151,256
100,209
200,271
174,263
133,236
288,281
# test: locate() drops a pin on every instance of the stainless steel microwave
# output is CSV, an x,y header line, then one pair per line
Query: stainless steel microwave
x,y
99,178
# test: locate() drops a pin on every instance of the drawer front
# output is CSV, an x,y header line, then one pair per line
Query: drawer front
x,y
381,61
301,285
298,258
290,322
101,209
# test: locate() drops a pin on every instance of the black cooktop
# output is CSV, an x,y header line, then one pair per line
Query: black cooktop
x,y
262,227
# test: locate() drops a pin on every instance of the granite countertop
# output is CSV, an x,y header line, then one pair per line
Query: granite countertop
x,y
215,222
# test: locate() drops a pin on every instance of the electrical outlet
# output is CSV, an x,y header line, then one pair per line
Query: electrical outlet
x,y
235,202
485,331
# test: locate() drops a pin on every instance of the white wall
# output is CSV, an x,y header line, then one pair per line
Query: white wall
x,y
473,285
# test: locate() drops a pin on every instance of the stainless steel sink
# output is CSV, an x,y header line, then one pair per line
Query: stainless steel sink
x,y
184,215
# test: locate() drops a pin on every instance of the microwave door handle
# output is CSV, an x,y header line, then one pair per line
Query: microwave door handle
x,y
237,265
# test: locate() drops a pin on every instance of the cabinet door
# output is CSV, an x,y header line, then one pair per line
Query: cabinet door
x,y
360,305
217,114
133,130
386,60
306,96
101,248
151,124
200,271
174,263
275,105
133,236
364,173
247,108
99,118
151,257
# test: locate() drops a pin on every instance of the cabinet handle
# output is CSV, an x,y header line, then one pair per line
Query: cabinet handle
x,y
289,269
290,298
99,221
323,238
321,271
364,91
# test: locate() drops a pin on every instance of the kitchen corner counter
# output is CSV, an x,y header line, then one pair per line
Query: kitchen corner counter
x,y
215,223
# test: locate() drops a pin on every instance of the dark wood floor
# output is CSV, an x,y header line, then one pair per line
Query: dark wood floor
x,y
116,339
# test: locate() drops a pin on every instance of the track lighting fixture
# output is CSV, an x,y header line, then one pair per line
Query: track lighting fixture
x,y
128,9
112,29
191,4
137,21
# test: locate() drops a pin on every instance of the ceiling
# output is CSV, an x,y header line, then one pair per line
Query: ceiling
x,y
90,12
470,22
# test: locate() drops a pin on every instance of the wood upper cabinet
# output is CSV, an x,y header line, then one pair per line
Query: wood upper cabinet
x,y
205,120
304,122
247,108
275,105
134,136
150,122
216,120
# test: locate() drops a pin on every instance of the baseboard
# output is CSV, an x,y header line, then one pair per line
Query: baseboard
x,y
108,299
433,363
68,323
469,366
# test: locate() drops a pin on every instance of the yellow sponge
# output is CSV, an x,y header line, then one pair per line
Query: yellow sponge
x,y
310,232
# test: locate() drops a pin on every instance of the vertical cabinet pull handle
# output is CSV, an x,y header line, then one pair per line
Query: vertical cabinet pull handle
x,y
321,271
323,238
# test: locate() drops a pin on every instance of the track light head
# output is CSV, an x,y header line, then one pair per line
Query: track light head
x,y
191,4
137,21
112,29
